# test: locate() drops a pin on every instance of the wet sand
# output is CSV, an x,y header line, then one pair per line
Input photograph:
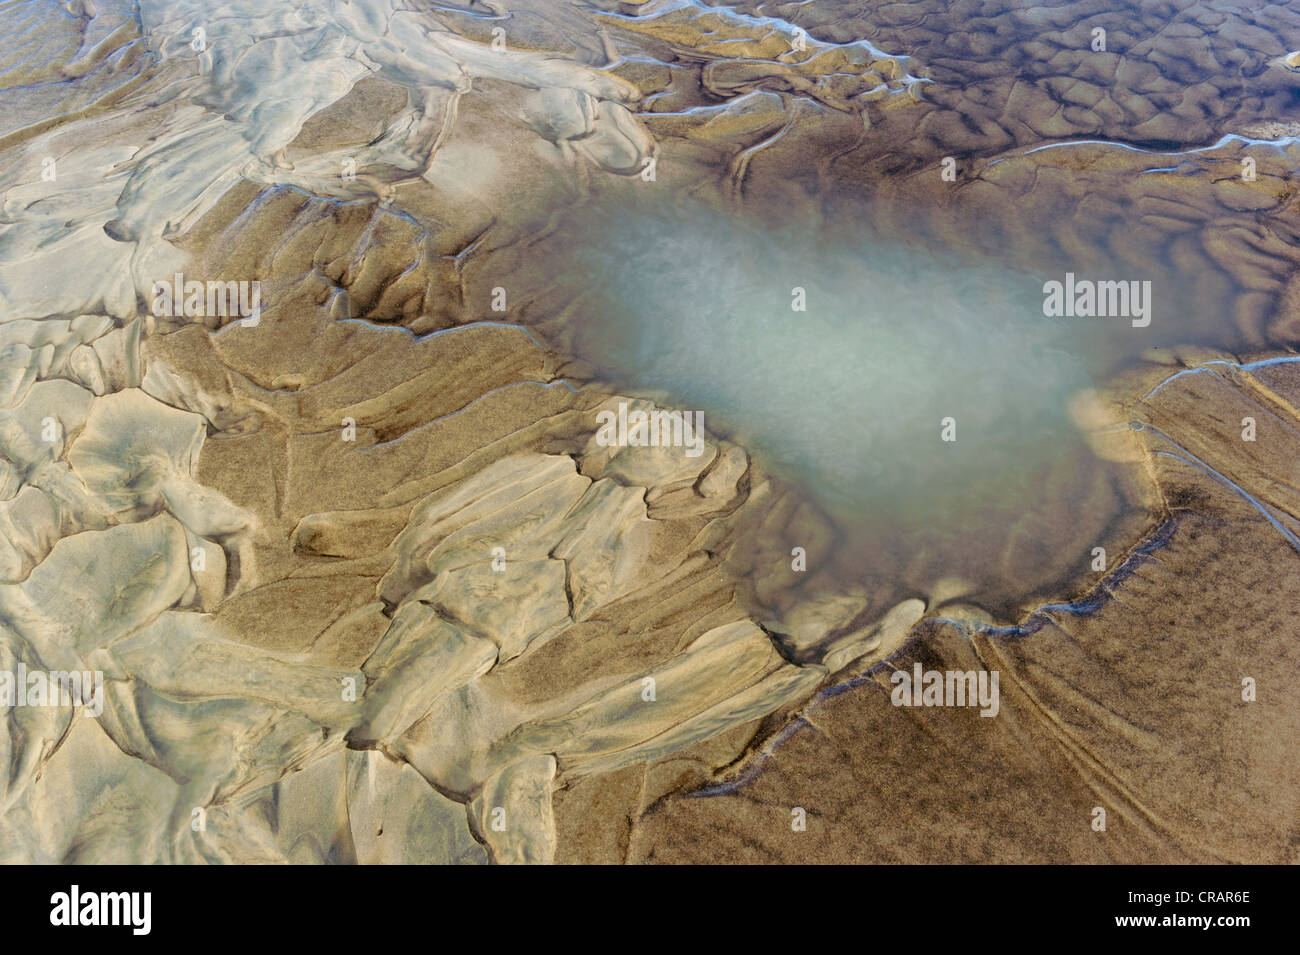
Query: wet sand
x,y
366,584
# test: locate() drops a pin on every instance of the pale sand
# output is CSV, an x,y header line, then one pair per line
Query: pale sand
x,y
199,528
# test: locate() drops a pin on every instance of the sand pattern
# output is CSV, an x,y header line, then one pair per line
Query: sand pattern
x,y
365,584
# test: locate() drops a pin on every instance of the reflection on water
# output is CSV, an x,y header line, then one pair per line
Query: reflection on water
x,y
921,398
847,398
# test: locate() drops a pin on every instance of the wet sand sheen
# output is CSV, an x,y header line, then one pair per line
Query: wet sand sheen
x,y
921,399
392,480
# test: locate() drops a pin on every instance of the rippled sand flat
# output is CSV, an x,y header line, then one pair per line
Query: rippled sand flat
x,y
343,534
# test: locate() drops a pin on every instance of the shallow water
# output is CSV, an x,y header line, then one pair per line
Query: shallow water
x,y
921,398
910,332
873,335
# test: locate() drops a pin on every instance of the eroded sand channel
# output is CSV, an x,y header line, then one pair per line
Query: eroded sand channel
x,y
466,248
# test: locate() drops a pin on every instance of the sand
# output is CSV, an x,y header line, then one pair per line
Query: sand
x,y
364,581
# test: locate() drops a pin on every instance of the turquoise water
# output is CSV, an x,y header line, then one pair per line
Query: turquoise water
x,y
851,399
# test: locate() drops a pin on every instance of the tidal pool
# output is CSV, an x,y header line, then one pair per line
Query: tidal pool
x,y
920,397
